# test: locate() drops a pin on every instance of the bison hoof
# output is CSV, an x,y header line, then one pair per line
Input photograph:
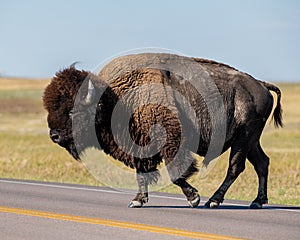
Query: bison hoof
x,y
195,202
135,204
211,204
255,205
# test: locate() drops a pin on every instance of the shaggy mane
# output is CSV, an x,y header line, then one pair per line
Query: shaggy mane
x,y
65,83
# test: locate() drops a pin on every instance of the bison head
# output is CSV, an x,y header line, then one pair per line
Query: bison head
x,y
69,96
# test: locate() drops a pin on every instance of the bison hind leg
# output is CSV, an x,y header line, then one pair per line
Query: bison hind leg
x,y
260,161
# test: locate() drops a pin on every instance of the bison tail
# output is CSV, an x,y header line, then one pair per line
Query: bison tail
x,y
277,114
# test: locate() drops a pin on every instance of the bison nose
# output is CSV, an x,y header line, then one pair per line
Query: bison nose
x,y
54,136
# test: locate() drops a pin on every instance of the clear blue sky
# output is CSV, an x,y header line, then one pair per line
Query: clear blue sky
x,y
37,38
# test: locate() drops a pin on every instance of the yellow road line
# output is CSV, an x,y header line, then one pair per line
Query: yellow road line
x,y
114,223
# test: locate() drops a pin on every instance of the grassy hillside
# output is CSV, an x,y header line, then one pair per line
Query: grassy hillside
x,y
26,151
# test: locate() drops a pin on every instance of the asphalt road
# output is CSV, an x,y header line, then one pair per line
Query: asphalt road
x,y
36,210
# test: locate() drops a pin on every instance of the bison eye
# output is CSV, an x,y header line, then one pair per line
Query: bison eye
x,y
71,113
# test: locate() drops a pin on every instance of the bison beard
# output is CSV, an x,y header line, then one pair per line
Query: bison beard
x,y
247,101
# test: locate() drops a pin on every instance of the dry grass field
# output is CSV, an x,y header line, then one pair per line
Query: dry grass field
x,y
26,151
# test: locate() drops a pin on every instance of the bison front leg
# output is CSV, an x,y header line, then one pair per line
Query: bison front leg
x,y
142,196
190,192
179,171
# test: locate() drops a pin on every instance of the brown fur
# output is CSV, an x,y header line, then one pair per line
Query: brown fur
x,y
247,102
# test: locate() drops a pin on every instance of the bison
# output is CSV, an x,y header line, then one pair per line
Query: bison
x,y
170,107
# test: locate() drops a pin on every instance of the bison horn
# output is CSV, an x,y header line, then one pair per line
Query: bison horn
x,y
90,95
73,65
